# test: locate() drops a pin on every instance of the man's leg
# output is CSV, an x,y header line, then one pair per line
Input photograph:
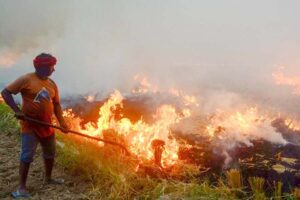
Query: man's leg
x,y
48,168
23,172
49,151
29,144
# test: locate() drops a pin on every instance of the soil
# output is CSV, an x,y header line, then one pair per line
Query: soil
x,y
73,188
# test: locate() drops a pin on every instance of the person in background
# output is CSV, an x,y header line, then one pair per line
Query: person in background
x,y
40,99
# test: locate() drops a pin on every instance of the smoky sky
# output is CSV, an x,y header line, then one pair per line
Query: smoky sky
x,y
205,47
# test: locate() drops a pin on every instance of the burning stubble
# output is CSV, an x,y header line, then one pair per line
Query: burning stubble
x,y
153,123
208,74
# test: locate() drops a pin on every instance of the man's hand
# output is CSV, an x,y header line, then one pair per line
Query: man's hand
x,y
64,127
59,116
20,115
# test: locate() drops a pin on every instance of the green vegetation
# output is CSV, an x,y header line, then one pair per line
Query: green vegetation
x,y
111,175
8,123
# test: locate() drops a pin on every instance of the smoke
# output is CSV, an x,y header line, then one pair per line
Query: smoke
x,y
27,26
292,81
223,52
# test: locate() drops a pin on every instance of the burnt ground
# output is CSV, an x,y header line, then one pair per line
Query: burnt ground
x,y
263,159
9,166
272,162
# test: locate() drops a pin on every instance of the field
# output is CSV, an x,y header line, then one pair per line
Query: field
x,y
102,172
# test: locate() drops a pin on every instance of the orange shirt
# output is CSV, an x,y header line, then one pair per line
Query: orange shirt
x,y
38,96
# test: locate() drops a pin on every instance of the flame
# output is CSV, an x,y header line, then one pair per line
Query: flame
x,y
140,134
144,86
225,129
292,124
281,79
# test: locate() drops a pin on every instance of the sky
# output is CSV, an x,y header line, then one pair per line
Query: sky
x,y
218,50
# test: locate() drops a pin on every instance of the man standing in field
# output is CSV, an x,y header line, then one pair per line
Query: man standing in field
x,y
40,100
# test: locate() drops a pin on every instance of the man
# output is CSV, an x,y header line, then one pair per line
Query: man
x,y
40,99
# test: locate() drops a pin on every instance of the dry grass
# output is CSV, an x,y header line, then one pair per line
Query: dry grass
x,y
257,187
234,179
296,194
277,190
111,175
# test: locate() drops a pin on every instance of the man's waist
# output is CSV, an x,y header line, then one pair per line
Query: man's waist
x,y
39,116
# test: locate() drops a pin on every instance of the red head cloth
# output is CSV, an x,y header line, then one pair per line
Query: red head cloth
x,y
44,60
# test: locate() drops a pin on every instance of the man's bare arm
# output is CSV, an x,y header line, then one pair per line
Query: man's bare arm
x,y
59,115
9,100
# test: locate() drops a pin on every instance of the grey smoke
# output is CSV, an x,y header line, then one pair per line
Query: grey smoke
x,y
208,48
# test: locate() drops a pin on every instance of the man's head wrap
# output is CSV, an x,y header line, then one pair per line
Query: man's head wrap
x,y
44,59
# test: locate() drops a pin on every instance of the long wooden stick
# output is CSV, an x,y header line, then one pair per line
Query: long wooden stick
x,y
77,133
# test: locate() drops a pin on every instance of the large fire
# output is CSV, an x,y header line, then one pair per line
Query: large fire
x,y
155,140
138,135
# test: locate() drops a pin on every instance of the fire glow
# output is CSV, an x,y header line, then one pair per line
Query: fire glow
x,y
138,135
155,141
292,125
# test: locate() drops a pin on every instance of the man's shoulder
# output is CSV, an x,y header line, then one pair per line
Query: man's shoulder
x,y
52,82
25,77
28,75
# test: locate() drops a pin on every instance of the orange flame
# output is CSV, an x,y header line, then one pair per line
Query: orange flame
x,y
138,135
291,124
146,87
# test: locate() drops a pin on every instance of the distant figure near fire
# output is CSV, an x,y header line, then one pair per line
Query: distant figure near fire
x,y
40,100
